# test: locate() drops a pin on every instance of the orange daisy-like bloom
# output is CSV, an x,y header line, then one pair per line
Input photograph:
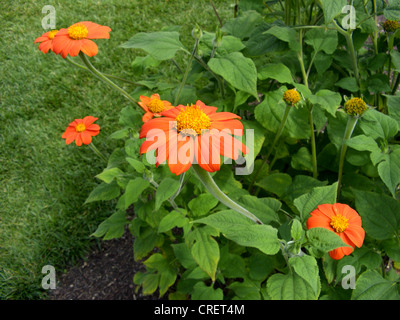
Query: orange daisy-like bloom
x,y
342,220
46,41
153,106
76,38
187,135
81,131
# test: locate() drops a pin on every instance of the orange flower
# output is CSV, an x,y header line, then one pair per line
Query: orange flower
x,y
46,41
76,38
153,106
193,134
342,220
81,130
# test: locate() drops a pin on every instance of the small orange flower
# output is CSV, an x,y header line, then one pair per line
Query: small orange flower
x,y
342,220
76,38
193,134
153,106
81,130
46,41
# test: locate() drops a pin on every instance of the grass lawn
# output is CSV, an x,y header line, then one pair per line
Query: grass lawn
x,y
44,182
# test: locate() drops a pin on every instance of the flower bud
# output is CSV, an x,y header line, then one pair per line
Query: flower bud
x,y
355,107
197,33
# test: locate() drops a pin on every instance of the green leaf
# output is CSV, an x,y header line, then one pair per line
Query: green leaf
x,y
113,227
182,253
363,143
109,174
286,34
327,100
302,160
276,183
264,208
161,45
241,230
372,286
276,71
246,290
380,214
392,11
202,204
136,164
171,220
242,25
166,189
395,55
324,239
394,111
332,9
130,117
348,83
310,201
289,287
322,40
134,189
378,125
205,251
389,171
104,192
202,292
238,70
306,267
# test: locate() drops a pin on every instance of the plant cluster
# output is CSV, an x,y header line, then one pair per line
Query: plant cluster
x,y
270,167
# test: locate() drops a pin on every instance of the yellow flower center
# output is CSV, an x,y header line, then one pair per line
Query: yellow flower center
x,y
51,34
355,106
77,31
80,127
192,120
291,96
339,223
156,106
390,25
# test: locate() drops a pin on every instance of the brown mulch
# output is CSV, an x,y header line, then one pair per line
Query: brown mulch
x,y
105,274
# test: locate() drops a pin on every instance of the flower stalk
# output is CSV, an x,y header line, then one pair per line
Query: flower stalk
x,y
102,77
213,188
351,124
97,152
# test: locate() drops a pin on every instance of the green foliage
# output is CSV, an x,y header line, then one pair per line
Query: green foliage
x,y
197,244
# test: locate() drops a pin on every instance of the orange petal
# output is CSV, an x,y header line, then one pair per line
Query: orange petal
x,y
234,126
147,116
89,48
356,235
156,123
96,31
223,116
86,137
78,139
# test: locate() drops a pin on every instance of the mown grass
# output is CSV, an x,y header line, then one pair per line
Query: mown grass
x,y
44,182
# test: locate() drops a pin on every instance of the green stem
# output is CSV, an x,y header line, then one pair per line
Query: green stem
x,y
97,152
396,84
102,77
212,187
189,64
277,136
313,144
351,124
68,59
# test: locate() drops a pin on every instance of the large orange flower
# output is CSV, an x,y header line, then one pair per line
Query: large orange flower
x,y
81,131
193,134
46,41
153,106
342,220
76,38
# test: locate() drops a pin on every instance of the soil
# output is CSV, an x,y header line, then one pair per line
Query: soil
x,y
105,274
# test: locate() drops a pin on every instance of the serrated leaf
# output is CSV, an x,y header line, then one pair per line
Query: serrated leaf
x,y
161,45
372,286
238,70
203,292
241,230
104,192
286,34
310,201
202,204
306,267
380,214
166,189
389,171
134,189
276,71
324,239
109,174
113,227
136,164
289,287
